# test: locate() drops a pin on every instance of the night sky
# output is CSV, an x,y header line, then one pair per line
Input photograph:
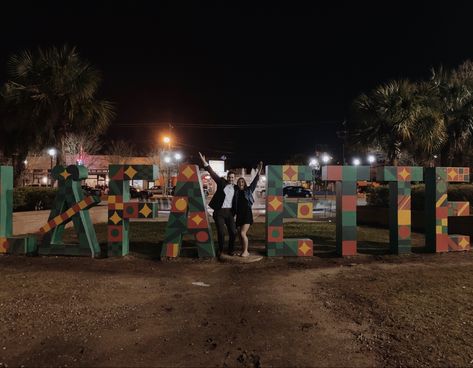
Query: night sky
x,y
275,79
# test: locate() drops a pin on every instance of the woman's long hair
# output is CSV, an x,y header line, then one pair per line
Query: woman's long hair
x,y
244,181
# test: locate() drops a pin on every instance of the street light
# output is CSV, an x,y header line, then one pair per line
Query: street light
x,y
314,164
325,158
167,140
177,156
167,159
51,152
356,162
371,159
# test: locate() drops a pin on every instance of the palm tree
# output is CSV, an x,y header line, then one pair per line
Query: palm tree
x,y
399,118
387,118
453,101
54,93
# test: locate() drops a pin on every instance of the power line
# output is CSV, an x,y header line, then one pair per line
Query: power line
x,y
213,125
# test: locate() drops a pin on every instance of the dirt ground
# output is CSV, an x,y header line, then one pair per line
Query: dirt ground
x,y
369,310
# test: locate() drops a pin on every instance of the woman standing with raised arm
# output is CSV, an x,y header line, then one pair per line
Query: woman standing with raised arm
x,y
243,203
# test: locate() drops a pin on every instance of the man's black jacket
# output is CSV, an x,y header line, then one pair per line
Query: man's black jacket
x,y
217,200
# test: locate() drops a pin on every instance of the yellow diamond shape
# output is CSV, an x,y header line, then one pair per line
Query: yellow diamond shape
x,y
404,173
197,219
115,218
275,203
187,172
65,174
145,211
304,248
452,173
130,172
463,243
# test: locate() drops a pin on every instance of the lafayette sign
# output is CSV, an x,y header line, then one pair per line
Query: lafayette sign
x,y
189,212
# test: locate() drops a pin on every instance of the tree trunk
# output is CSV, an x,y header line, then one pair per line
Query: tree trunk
x,y
458,159
445,159
18,163
60,154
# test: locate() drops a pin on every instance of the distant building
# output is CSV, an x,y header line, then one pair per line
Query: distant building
x,y
38,169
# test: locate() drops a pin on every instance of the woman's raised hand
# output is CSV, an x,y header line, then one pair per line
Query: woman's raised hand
x,y
260,167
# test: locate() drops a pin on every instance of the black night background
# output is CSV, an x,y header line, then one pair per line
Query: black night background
x,y
249,81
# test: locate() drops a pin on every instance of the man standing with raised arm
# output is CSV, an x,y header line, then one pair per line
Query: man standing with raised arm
x,y
222,203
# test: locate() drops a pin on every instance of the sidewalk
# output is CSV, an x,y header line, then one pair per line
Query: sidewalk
x,y
30,221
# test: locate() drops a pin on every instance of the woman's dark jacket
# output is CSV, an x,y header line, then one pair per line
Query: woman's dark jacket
x,y
248,192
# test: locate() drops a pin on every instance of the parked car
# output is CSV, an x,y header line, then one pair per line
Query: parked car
x,y
141,194
89,191
156,189
296,191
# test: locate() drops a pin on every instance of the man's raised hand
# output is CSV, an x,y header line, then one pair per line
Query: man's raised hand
x,y
202,158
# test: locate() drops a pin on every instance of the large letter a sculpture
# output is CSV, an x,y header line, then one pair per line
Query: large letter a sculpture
x,y
188,215
70,204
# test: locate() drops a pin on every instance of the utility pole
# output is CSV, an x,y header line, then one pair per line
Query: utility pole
x,y
342,134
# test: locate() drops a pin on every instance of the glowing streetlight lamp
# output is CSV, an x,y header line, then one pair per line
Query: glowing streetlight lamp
x,y
315,165
177,156
371,159
167,159
356,162
325,158
52,153
167,140
313,162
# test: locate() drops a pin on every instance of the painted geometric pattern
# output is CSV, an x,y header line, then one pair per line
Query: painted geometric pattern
x,y
11,244
437,209
120,210
346,178
458,174
400,173
6,201
86,203
400,178
458,242
68,205
133,172
18,245
188,215
345,173
301,209
458,208
140,210
277,208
